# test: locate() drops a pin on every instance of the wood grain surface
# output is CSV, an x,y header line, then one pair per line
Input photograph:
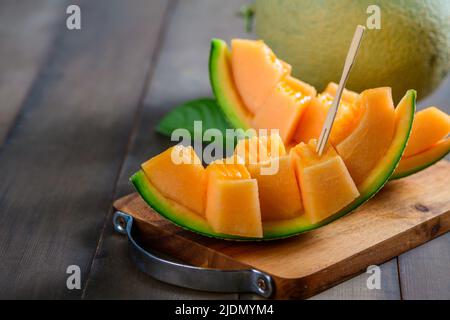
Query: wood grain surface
x,y
60,163
405,214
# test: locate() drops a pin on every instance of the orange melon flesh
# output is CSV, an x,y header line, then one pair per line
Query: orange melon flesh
x,y
256,71
287,101
255,149
325,183
347,95
232,204
279,194
312,121
310,126
422,160
369,141
175,169
282,110
251,150
430,126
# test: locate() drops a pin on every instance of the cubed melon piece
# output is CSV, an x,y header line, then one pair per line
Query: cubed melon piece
x,y
279,194
429,127
251,150
283,109
325,183
369,141
180,176
256,71
232,204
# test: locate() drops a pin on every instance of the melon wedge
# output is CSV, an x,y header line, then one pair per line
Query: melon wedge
x,y
171,171
422,160
430,126
368,142
224,87
375,180
256,71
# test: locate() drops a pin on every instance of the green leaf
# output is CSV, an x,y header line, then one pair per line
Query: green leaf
x,y
183,116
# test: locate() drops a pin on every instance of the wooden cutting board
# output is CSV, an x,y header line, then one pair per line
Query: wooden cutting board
x,y
403,215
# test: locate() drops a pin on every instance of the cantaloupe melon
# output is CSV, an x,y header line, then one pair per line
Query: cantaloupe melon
x,y
171,171
324,180
232,203
275,229
430,126
368,142
256,71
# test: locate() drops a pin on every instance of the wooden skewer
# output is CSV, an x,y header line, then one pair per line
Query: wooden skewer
x,y
351,55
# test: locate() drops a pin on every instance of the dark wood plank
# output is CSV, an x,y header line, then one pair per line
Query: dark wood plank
x,y
424,271
181,74
61,160
27,29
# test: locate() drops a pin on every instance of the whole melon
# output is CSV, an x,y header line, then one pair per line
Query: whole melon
x,y
410,50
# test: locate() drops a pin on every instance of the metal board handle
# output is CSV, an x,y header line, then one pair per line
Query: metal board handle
x,y
187,276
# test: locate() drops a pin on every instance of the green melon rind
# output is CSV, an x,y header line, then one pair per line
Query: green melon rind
x,y
404,174
223,86
163,207
287,228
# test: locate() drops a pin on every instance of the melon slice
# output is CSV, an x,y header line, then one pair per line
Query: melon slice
x,y
369,141
174,169
283,109
311,123
430,126
256,71
325,182
232,205
420,161
376,179
224,87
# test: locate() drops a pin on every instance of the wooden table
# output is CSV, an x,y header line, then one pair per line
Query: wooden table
x,y
77,112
